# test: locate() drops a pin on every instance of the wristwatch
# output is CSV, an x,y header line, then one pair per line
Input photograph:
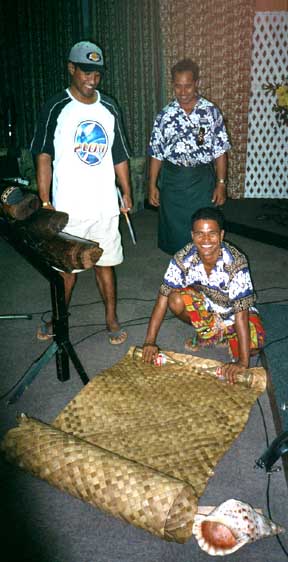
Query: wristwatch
x,y
221,180
46,204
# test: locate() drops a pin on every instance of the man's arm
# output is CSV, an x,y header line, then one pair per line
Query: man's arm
x,y
230,370
153,191
122,173
44,178
150,349
219,194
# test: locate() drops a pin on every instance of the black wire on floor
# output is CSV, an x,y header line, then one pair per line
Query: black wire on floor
x,y
269,481
268,474
127,299
132,322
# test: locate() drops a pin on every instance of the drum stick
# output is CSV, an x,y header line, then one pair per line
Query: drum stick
x,y
126,217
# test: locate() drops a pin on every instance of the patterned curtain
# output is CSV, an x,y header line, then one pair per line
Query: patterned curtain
x,y
129,33
217,35
141,40
35,38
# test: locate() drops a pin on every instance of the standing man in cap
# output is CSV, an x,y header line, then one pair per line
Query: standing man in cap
x,y
80,149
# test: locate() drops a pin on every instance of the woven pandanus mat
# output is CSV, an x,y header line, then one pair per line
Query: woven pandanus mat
x,y
141,441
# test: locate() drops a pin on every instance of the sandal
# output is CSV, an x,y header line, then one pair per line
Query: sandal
x,y
117,337
45,331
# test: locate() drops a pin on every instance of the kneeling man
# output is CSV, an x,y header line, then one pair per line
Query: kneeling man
x,y
208,285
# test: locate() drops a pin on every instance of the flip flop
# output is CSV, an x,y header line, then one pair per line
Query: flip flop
x,y
118,337
45,331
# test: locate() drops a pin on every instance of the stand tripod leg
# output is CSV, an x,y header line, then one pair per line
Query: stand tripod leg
x,y
33,371
60,323
76,361
61,345
62,363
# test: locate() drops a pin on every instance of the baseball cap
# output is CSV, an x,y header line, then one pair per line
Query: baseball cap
x,y
87,56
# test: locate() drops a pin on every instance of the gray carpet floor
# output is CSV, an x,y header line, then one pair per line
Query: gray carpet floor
x,y
275,317
42,524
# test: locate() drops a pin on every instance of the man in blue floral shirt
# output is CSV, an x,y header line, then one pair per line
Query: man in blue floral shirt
x,y
208,285
188,144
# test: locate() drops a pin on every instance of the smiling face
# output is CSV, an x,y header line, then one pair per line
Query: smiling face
x,y
185,89
83,84
207,237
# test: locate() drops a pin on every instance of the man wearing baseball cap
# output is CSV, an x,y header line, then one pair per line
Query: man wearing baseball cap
x,y
80,149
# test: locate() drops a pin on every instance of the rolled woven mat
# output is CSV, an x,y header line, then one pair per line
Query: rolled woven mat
x,y
137,494
141,441
252,378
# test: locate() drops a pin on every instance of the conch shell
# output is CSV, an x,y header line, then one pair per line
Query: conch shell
x,y
230,526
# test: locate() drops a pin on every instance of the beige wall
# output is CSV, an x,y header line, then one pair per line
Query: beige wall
x,y
271,5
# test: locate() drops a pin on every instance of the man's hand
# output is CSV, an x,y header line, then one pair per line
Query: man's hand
x,y
231,370
150,349
150,352
127,204
154,196
153,191
122,173
219,194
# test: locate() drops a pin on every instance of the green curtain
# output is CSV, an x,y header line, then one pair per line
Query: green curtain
x,y
35,38
129,33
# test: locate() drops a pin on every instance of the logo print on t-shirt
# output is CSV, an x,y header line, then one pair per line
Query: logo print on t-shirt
x,y
91,142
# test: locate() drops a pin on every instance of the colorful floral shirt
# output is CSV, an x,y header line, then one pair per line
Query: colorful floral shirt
x,y
176,135
227,290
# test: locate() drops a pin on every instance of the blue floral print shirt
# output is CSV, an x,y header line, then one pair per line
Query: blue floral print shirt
x,y
176,135
227,290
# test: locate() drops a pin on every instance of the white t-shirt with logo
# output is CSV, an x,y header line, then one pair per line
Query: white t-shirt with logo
x,y
85,141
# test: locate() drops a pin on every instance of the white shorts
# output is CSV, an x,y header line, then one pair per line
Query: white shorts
x,y
105,231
